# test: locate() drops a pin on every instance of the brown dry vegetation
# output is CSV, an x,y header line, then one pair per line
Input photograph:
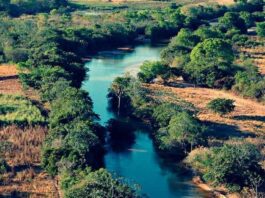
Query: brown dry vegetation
x,y
248,117
9,82
24,150
23,155
25,144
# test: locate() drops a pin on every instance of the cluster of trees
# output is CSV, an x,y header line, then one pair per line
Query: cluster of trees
x,y
233,165
16,8
49,57
100,183
176,127
205,57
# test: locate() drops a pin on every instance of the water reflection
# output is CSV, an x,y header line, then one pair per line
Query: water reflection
x,y
132,154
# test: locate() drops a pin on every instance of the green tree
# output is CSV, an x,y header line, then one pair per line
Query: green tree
x,y
232,20
150,70
119,87
211,60
183,128
221,106
261,29
87,184
247,17
234,165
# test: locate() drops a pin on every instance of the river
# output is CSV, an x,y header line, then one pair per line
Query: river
x,y
135,160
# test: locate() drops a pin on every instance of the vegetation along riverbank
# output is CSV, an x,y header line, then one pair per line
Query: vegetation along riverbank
x,y
204,99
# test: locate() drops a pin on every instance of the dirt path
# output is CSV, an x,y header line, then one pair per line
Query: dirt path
x,y
249,116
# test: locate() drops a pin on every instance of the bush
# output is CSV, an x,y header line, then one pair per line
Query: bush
x,y
211,60
221,106
86,184
183,129
150,70
234,165
261,29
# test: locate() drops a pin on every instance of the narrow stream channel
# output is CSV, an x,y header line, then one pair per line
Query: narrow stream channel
x,y
137,160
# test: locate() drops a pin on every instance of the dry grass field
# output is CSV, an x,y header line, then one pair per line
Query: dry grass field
x,y
248,117
22,148
23,156
152,2
9,82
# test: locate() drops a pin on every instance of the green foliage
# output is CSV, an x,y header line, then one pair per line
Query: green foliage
x,y
73,104
42,74
221,106
248,18
18,110
250,82
184,129
177,52
232,20
86,184
163,113
211,60
151,70
3,166
233,165
261,29
16,8
72,145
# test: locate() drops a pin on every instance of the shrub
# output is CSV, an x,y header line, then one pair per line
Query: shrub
x,y
234,165
183,129
86,184
221,106
261,29
150,70
211,60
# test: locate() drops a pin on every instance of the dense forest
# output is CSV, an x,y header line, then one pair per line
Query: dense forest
x,y
49,40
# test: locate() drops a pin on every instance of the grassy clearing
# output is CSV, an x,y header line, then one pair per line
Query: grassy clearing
x,y
18,110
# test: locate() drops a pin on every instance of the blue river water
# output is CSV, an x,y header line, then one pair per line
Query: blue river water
x,y
138,160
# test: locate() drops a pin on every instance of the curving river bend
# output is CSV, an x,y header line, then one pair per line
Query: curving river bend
x,y
136,160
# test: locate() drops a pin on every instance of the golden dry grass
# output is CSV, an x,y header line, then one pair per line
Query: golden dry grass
x,y
24,158
25,144
249,116
9,82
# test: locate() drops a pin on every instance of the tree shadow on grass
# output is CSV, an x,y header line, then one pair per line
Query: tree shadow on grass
x,y
248,117
224,131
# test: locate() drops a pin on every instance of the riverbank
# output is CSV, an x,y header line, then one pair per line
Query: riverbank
x,y
126,156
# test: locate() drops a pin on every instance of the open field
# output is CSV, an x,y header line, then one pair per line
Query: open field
x,y
9,82
22,153
138,4
248,117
